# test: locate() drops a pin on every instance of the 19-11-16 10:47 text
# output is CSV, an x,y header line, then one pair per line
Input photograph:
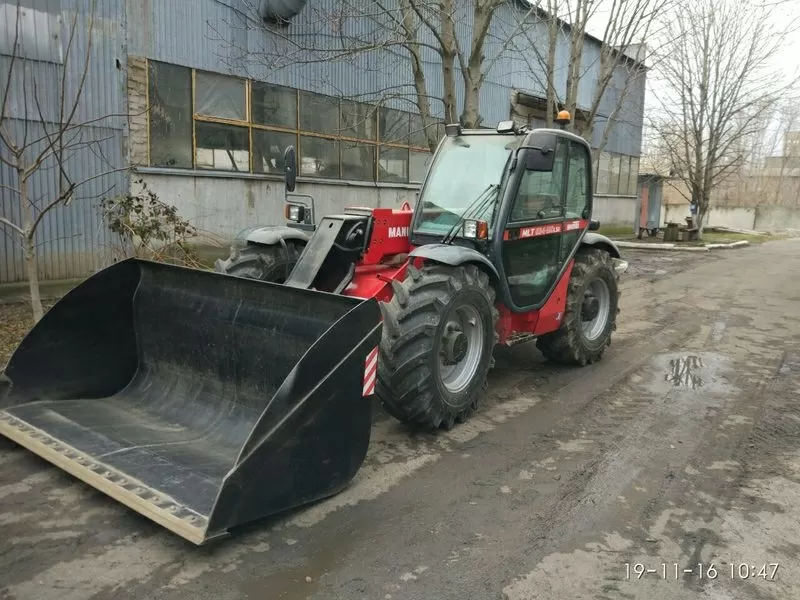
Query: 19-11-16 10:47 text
x,y
766,571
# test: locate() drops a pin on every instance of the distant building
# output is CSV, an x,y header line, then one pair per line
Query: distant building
x,y
220,116
791,144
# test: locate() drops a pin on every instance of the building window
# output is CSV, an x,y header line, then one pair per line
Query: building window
x,y
318,157
220,96
615,174
603,173
273,105
170,115
613,177
203,120
268,148
358,161
418,163
633,186
319,113
358,120
393,126
393,164
624,174
221,147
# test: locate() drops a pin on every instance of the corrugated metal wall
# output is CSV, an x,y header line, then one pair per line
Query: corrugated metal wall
x,y
71,239
221,36
224,36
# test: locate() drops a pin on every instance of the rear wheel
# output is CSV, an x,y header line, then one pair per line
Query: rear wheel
x,y
591,313
271,263
438,337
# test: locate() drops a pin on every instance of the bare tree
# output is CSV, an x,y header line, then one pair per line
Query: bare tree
x,y
466,40
42,130
407,32
719,80
616,68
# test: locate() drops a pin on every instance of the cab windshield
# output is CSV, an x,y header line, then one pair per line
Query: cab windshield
x,y
464,168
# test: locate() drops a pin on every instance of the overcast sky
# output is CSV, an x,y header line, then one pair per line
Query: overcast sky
x,y
787,61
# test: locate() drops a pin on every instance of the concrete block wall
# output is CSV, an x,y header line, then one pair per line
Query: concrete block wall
x,y
615,210
224,206
777,218
762,218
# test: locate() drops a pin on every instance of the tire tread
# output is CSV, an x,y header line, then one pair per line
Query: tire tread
x,y
405,382
565,345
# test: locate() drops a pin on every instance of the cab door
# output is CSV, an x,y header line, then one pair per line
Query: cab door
x,y
546,219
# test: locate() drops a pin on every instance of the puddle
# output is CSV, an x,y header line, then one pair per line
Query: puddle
x,y
684,371
688,372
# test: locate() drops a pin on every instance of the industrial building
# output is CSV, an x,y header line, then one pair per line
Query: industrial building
x,y
200,98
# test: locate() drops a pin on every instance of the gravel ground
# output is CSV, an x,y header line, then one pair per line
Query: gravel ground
x,y
680,448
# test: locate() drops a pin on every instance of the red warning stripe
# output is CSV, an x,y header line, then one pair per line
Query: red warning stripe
x,y
370,372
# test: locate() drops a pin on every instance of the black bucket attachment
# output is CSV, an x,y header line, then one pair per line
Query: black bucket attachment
x,y
198,399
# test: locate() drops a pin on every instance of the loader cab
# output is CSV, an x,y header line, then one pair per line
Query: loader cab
x,y
466,164
530,222
544,212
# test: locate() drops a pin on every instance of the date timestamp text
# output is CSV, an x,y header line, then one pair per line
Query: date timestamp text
x,y
768,571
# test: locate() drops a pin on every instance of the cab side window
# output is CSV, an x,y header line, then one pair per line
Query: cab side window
x,y
540,193
577,182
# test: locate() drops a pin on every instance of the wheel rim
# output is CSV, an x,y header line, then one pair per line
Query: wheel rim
x,y
460,348
595,309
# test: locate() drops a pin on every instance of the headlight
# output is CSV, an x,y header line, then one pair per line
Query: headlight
x,y
478,230
295,212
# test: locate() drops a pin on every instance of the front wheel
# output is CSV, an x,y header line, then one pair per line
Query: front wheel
x,y
591,313
436,349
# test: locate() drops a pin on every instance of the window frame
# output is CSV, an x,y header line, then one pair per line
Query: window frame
x,y
341,138
562,145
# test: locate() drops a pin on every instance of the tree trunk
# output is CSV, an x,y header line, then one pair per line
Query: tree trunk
x,y
448,61
473,77
449,72
552,94
28,242
420,84
700,221
32,270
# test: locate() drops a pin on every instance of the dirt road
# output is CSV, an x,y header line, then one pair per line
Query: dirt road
x,y
681,447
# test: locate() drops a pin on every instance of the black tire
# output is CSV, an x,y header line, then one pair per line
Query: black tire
x,y
266,263
569,345
411,380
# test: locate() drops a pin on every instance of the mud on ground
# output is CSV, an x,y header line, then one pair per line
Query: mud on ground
x,y
681,447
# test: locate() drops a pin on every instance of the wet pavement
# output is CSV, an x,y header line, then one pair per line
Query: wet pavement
x,y
669,470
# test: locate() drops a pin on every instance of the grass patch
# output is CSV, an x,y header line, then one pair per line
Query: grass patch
x,y
625,233
616,230
724,237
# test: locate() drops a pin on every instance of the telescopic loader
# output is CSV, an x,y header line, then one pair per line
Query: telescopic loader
x,y
204,400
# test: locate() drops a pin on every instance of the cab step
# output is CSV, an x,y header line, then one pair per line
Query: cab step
x,y
519,338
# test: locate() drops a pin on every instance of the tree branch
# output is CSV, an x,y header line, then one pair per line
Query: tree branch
x,y
10,225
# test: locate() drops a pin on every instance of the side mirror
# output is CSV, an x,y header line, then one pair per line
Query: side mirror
x,y
290,168
594,225
540,160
